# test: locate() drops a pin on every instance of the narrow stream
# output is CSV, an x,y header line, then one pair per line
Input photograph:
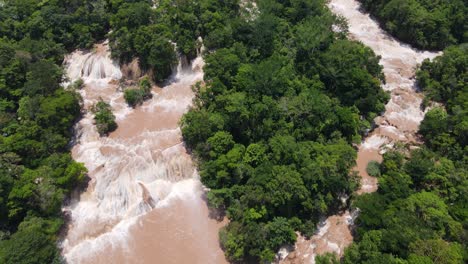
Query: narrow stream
x,y
399,123
144,203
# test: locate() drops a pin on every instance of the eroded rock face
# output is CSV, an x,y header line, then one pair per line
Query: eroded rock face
x,y
132,70
399,123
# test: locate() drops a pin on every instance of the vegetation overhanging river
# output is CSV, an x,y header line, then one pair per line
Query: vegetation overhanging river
x,y
144,200
399,123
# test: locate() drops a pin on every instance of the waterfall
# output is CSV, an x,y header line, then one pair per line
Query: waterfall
x,y
400,121
92,66
140,167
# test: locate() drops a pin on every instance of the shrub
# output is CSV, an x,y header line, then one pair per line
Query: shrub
x,y
104,118
373,168
133,97
76,85
145,86
136,96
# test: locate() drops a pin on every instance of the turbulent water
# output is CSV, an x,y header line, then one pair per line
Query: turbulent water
x,y
144,202
399,122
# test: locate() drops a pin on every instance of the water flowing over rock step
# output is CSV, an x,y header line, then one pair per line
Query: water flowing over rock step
x,y
143,182
399,123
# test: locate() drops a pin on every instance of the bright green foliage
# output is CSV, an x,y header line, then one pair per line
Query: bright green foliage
x,y
425,24
68,22
145,86
36,119
419,214
33,243
136,96
104,118
327,258
437,251
133,97
445,80
273,123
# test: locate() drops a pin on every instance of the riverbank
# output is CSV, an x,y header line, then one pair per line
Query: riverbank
x,y
144,200
399,122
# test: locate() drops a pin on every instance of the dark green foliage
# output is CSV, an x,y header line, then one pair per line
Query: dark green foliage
x,y
76,85
413,204
373,168
420,214
33,243
273,123
138,31
104,118
283,98
351,72
36,119
422,23
136,96
133,96
327,258
445,80
68,22
156,35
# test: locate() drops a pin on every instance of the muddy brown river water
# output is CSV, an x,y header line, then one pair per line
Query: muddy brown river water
x,y
399,123
144,203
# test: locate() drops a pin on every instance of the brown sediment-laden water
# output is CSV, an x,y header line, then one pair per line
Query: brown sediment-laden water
x,y
399,123
144,202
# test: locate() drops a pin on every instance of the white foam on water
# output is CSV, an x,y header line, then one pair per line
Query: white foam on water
x,y
403,112
399,60
282,253
334,247
130,175
117,236
405,109
393,131
92,66
323,228
374,142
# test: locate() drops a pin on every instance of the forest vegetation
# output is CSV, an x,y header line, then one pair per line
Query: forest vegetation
x,y
36,116
425,24
272,126
419,213
104,119
136,95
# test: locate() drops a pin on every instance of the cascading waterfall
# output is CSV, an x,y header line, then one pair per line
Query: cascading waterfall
x,y
140,167
92,66
399,122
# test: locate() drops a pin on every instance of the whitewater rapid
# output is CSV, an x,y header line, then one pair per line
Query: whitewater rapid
x,y
143,183
399,122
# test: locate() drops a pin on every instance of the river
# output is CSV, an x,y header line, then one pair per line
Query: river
x,y
144,202
399,122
